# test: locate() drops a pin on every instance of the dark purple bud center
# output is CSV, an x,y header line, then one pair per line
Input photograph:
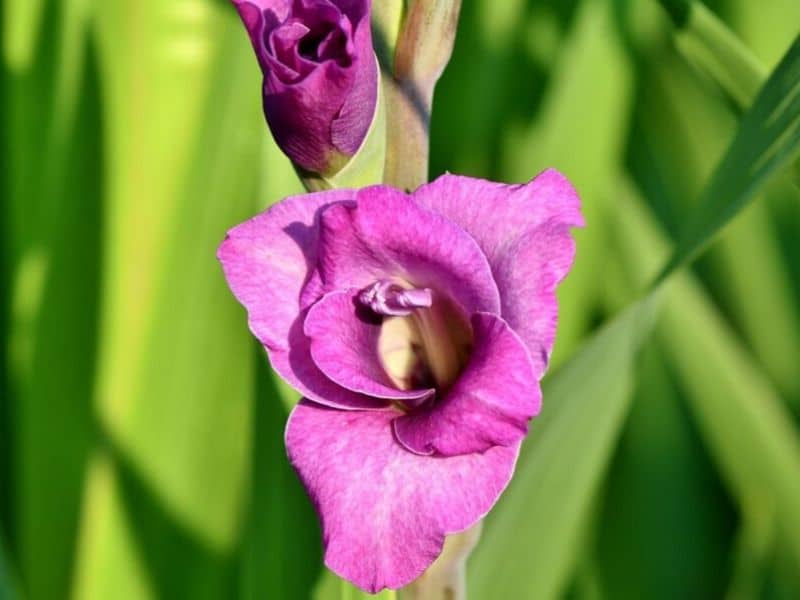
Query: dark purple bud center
x,y
314,33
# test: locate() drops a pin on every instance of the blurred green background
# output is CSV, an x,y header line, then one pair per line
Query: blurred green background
x,y
141,446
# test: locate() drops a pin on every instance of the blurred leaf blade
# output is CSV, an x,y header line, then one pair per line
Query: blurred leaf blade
x,y
561,465
8,585
743,419
54,213
283,554
331,587
768,138
660,455
749,268
175,385
714,49
21,20
754,278
745,424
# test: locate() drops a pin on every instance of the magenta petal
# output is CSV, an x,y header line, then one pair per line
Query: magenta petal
x,y
300,115
259,17
344,345
348,128
279,7
533,266
266,262
387,234
490,404
524,231
384,510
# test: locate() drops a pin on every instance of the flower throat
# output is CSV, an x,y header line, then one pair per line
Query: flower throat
x,y
425,341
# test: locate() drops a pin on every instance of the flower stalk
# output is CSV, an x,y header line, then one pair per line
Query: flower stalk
x,y
446,578
423,49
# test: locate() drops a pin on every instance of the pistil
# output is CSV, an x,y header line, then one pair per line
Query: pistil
x,y
385,297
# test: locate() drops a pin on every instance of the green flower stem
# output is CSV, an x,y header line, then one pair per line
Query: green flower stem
x,y
423,49
407,137
445,579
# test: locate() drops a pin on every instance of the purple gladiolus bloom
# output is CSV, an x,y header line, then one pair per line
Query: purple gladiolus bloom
x,y
417,327
320,75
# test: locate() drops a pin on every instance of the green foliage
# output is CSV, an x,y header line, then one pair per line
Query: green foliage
x,y
767,139
8,588
561,466
330,587
141,447
716,51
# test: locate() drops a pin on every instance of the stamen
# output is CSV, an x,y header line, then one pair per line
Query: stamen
x,y
385,297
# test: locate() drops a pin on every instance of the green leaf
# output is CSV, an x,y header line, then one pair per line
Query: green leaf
x,y
22,20
8,586
768,138
715,50
331,587
753,280
53,153
561,466
746,426
767,28
662,485
283,554
749,271
174,388
753,550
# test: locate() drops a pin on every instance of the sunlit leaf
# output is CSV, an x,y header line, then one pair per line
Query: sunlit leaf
x,y
22,20
175,379
53,244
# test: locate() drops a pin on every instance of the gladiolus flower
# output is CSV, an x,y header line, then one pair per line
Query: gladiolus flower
x,y
320,76
417,327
